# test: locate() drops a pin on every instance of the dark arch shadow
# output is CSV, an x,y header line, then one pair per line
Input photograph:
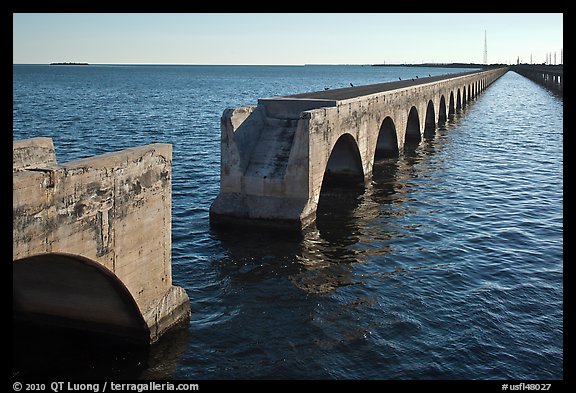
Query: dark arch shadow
x,y
49,342
458,102
442,118
387,143
413,137
73,292
430,121
451,106
344,165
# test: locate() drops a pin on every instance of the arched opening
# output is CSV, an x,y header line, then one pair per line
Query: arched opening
x,y
345,164
452,105
342,185
413,136
387,144
458,101
430,121
442,115
72,292
464,97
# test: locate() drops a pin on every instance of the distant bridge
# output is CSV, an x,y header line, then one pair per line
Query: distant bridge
x,y
275,156
549,76
92,241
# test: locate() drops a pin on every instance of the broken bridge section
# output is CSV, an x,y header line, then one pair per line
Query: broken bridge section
x,y
92,240
276,155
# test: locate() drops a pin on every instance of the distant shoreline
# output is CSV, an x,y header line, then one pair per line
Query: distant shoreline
x,y
69,63
437,65
441,65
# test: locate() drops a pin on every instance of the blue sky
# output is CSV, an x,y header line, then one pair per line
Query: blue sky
x,y
284,38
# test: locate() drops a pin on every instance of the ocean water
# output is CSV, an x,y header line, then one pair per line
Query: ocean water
x,y
448,265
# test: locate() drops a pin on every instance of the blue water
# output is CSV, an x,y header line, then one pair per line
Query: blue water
x,y
449,265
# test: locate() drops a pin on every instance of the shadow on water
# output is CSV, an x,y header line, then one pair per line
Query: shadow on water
x,y
319,259
41,352
278,312
271,280
277,316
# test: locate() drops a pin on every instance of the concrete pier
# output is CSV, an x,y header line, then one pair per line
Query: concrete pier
x,y
275,156
92,241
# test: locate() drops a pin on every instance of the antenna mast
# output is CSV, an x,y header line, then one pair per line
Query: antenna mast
x,y
485,49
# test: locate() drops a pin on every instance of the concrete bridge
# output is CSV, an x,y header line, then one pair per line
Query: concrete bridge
x,y
549,76
276,156
92,241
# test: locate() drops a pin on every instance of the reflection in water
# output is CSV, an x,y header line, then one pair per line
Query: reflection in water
x,y
429,276
165,354
321,259
92,356
353,224
324,286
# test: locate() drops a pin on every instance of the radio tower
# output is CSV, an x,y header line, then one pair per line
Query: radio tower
x,y
485,49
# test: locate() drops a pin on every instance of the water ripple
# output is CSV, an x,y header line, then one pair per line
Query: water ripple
x,y
448,265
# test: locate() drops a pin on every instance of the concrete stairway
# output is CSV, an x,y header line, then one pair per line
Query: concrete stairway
x,y
270,155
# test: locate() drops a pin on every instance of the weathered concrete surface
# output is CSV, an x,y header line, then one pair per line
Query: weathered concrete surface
x,y
91,230
275,156
32,152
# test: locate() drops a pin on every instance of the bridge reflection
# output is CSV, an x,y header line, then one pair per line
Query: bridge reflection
x,y
355,222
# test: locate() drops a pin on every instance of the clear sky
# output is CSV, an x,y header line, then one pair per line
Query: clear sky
x,y
285,38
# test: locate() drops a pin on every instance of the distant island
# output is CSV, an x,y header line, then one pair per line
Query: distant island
x,y
69,63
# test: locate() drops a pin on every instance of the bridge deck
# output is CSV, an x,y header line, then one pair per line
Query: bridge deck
x,y
358,91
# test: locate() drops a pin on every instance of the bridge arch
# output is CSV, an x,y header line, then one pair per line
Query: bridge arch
x,y
442,111
430,120
75,292
387,143
333,131
464,97
458,101
344,164
451,105
412,136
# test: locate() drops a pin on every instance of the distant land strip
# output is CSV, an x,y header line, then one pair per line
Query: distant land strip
x,y
443,65
69,63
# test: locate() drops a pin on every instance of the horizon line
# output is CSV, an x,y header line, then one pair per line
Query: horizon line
x,y
264,64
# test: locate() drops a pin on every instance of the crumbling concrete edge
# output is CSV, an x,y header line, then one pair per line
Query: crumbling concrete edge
x,y
171,311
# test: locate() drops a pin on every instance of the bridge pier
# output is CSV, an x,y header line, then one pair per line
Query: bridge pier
x,y
276,156
92,240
